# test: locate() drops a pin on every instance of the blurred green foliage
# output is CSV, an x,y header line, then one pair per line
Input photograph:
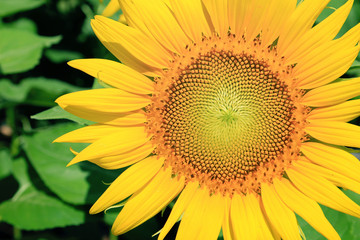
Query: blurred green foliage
x,y
41,198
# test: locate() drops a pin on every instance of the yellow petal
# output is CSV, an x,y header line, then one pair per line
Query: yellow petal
x,y
148,201
266,18
123,159
103,100
191,17
114,144
332,94
130,46
274,19
332,158
334,177
218,11
115,74
109,118
125,119
203,217
323,191
299,22
307,208
282,218
210,226
254,16
133,17
246,17
327,66
239,219
226,226
247,219
329,61
130,181
338,133
88,134
162,24
237,10
343,112
273,230
323,32
181,204
167,2
112,7
255,213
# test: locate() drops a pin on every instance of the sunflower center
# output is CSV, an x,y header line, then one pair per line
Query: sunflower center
x,y
226,114
222,115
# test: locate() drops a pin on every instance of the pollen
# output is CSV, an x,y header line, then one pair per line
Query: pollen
x,y
227,114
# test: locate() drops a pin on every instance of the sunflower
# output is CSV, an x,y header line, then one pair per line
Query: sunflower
x,y
232,108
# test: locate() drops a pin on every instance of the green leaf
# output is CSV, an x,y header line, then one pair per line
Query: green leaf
x,y
50,160
110,215
20,172
9,7
34,210
31,209
21,24
21,50
59,56
100,84
36,91
355,65
5,163
77,184
59,113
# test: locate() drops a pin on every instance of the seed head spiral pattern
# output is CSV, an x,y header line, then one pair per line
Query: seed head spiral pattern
x,y
224,113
